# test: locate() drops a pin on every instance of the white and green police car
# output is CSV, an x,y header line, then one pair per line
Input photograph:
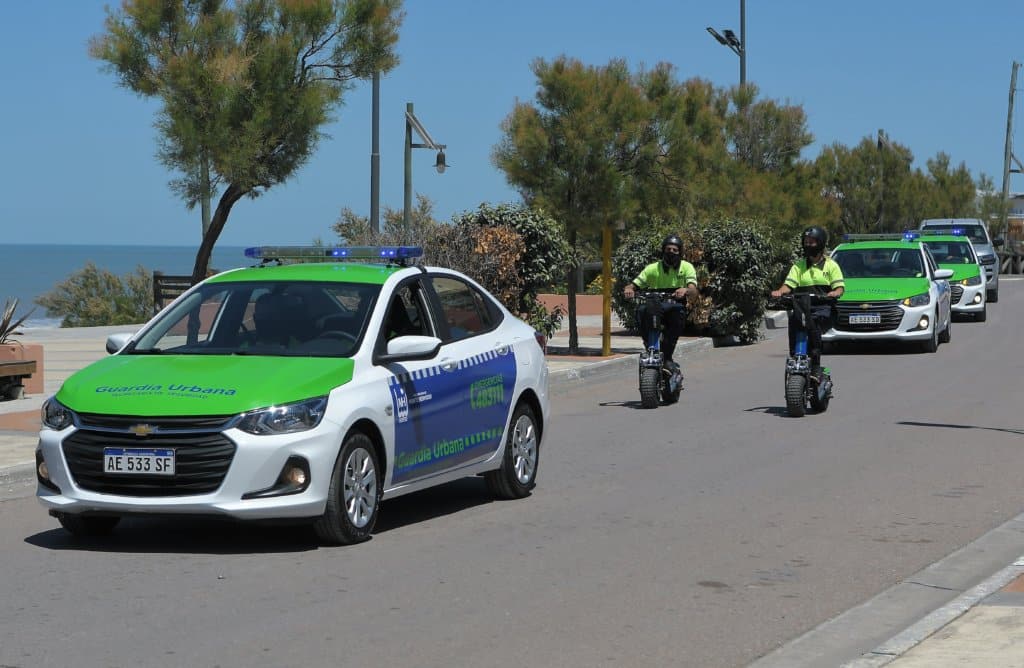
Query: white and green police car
x,y
305,390
956,253
894,291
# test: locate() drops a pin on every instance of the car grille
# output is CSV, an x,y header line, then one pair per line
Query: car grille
x,y
956,294
890,311
201,455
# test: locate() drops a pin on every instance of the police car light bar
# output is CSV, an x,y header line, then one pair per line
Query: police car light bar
x,y
879,237
329,253
955,232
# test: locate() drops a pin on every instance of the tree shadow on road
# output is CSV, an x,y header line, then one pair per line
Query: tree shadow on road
x,y
961,426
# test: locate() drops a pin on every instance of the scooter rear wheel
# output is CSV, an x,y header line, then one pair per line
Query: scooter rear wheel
x,y
649,387
795,386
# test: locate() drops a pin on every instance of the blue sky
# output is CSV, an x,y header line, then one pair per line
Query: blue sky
x,y
79,162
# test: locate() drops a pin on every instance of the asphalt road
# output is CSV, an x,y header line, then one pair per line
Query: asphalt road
x,y
702,534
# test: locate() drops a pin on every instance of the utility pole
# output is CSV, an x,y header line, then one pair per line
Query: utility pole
x,y
1008,154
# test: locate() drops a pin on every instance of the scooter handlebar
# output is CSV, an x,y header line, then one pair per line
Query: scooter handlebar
x,y
787,301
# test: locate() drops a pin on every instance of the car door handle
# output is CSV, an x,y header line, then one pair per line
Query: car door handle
x,y
449,365
501,349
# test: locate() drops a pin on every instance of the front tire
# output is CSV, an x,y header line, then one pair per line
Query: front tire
x,y
518,473
992,296
353,500
947,333
982,315
795,386
649,387
85,526
932,344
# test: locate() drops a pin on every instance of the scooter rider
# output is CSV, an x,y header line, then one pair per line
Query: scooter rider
x,y
671,271
818,274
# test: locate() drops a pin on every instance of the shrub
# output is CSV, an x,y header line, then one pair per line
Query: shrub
x,y
8,325
545,260
93,297
741,266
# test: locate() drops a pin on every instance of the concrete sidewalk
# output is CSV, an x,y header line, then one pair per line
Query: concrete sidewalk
x,y
978,626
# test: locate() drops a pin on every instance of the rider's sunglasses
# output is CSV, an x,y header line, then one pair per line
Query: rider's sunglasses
x,y
672,250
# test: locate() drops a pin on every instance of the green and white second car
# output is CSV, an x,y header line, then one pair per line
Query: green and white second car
x,y
894,291
956,253
302,391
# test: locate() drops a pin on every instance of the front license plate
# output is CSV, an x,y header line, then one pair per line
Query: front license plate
x,y
138,461
865,319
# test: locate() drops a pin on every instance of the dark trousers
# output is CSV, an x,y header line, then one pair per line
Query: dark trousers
x,y
821,321
673,317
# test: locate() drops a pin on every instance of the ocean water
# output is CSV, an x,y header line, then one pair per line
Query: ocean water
x,y
28,271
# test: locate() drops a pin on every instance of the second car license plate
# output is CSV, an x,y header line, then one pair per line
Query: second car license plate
x,y
139,461
865,319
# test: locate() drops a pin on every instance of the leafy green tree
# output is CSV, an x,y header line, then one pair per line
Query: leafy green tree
x,y
92,297
990,205
577,150
245,87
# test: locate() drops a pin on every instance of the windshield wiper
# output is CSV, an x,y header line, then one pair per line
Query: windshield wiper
x,y
145,351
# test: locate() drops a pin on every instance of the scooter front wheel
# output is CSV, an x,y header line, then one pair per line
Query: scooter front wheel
x,y
649,387
795,386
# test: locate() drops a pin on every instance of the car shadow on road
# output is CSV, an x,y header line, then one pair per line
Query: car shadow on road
x,y
960,426
428,504
185,535
213,535
202,535
879,347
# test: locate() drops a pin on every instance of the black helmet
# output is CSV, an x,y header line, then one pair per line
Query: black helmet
x,y
672,240
815,232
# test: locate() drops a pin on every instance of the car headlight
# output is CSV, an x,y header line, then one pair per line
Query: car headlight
x,y
56,415
286,419
918,300
973,280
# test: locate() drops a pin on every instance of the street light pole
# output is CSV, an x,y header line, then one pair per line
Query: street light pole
x,y
375,158
738,45
413,123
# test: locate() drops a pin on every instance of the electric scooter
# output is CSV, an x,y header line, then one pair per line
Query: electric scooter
x,y
657,379
803,389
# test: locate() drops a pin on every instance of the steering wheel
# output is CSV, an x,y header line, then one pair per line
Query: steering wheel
x,y
339,335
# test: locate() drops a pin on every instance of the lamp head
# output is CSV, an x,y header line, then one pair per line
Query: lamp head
x,y
440,165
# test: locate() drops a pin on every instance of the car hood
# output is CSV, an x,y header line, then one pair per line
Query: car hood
x,y
961,271
164,385
882,289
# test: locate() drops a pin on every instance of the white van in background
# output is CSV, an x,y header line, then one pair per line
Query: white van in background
x,y
975,230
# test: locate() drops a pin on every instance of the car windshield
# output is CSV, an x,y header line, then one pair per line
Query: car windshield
x,y
879,262
976,233
287,318
951,252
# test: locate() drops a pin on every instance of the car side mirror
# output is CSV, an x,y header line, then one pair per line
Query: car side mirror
x,y
409,348
998,242
115,342
943,274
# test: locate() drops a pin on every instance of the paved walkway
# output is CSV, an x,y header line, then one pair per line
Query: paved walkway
x,y
980,627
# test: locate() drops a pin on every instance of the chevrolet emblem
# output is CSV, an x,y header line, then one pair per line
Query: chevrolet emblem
x,y
142,429
864,307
